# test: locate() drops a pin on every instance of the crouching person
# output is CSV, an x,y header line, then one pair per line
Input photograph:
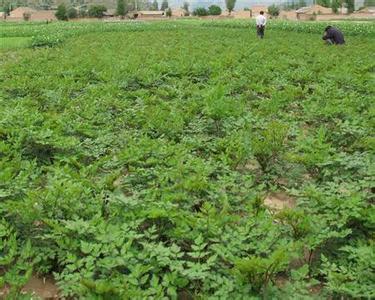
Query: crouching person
x,y
333,36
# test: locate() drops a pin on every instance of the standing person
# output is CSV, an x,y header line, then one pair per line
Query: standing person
x,y
261,24
333,36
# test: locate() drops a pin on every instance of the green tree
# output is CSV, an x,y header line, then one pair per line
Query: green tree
x,y
230,5
368,3
71,13
335,5
200,12
325,3
214,10
122,8
164,5
168,12
350,5
301,3
185,7
61,13
273,10
97,11
155,5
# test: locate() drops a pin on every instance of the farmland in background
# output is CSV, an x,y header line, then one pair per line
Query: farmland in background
x,y
187,160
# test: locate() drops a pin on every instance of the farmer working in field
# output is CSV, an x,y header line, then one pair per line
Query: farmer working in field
x,y
333,36
261,24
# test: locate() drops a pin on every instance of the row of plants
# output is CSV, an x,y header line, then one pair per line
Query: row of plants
x,y
55,33
349,28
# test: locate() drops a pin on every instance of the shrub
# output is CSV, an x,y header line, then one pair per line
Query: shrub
x,y
45,41
97,11
72,13
230,5
61,13
26,16
82,12
154,5
185,7
214,10
335,5
200,12
122,8
164,5
168,12
273,10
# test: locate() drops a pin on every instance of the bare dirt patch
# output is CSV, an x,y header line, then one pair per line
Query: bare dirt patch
x,y
43,288
278,201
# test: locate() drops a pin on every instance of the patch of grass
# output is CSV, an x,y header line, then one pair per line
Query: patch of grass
x,y
14,42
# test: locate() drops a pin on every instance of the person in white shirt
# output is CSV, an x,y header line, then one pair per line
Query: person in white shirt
x,y
261,24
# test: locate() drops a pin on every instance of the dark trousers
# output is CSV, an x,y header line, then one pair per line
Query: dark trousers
x,y
260,31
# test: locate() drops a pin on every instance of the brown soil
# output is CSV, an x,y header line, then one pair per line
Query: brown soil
x,y
43,288
278,201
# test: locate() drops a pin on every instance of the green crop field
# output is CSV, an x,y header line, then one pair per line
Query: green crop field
x,y
187,160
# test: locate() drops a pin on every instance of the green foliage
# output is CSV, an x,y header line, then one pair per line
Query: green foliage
x,y
260,271
45,41
168,12
325,3
16,259
230,4
72,13
273,10
353,277
214,10
200,12
122,8
350,5
350,28
154,5
335,5
185,7
97,11
268,143
164,5
61,13
133,176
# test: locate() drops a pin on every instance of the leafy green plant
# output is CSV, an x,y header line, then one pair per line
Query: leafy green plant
x,y
97,11
133,176
273,10
61,13
200,12
261,271
214,10
72,13
268,143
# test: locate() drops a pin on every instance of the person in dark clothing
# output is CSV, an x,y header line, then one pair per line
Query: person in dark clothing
x,y
333,36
